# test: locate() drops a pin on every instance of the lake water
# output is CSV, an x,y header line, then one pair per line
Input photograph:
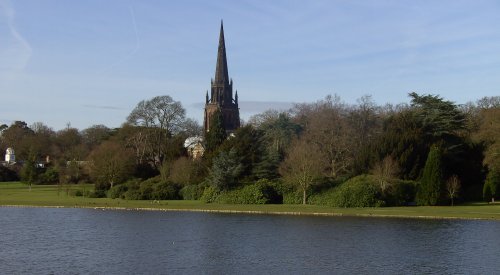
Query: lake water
x,y
76,241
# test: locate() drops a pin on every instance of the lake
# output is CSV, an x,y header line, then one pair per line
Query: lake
x,y
81,241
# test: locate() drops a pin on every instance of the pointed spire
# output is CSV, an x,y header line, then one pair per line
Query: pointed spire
x,y
221,73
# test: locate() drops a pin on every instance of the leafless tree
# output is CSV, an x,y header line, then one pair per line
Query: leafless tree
x,y
302,166
384,171
453,187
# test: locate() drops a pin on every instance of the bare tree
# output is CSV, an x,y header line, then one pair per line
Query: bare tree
x,y
327,126
453,187
385,171
302,166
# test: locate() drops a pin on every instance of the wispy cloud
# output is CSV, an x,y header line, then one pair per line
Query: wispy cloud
x,y
16,53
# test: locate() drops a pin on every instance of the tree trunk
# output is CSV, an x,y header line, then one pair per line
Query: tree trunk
x,y
304,197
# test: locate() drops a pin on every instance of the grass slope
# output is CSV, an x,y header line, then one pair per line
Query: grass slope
x,y
18,194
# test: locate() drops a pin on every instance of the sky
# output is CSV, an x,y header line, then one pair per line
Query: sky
x,y
90,62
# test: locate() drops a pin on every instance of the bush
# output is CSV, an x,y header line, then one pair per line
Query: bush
x,y
360,191
261,192
192,192
151,189
210,194
96,194
51,175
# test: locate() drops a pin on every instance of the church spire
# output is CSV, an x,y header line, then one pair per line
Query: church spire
x,y
221,73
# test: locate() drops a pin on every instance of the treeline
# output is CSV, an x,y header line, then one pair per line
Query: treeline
x,y
428,152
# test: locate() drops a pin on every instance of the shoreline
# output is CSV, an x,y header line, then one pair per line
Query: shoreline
x,y
260,212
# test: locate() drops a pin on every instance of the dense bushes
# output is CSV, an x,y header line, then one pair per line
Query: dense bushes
x,y
151,189
192,192
363,191
261,192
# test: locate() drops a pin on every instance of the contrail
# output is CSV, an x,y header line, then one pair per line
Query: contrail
x,y
134,50
25,48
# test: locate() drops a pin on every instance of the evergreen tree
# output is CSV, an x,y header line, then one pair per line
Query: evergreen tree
x,y
216,134
225,171
431,183
491,187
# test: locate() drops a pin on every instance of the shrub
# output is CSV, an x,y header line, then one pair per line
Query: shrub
x,y
360,191
210,194
96,194
118,191
192,192
261,192
51,175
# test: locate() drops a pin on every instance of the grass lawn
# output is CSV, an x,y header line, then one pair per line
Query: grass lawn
x,y
18,194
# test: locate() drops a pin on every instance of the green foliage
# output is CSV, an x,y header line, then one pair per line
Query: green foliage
x,y
247,145
268,166
360,191
491,188
29,172
225,171
431,184
216,134
151,189
261,192
51,175
192,192
439,118
210,194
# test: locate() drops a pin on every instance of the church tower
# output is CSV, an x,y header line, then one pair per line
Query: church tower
x,y
221,95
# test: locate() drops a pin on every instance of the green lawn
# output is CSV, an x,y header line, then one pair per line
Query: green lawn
x,y
18,194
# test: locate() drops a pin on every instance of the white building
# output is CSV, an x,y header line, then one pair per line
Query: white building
x,y
10,156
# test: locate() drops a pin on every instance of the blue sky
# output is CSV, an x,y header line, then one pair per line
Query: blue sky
x,y
90,62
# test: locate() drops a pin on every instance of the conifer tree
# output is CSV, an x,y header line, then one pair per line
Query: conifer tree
x,y
216,134
431,183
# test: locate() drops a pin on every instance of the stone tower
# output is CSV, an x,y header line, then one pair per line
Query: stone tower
x,y
221,95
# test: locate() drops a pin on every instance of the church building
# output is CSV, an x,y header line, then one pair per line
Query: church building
x,y
221,95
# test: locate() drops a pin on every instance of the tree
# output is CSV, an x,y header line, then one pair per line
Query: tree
x,y
17,136
384,171
453,187
302,166
429,192
225,171
438,117
278,129
216,134
110,164
491,187
29,172
488,133
328,128
95,135
162,115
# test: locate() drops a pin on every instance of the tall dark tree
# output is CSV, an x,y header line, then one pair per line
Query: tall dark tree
x,y
431,185
216,134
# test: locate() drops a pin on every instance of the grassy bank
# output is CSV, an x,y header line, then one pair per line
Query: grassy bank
x,y
18,194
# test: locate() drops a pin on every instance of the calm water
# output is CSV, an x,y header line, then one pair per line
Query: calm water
x,y
75,241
